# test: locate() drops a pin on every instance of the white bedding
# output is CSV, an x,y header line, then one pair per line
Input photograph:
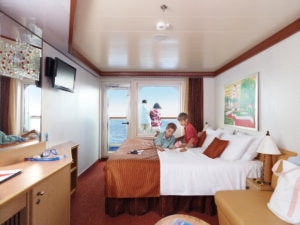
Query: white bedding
x,y
193,173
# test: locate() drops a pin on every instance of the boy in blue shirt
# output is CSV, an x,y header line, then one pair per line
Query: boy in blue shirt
x,y
166,139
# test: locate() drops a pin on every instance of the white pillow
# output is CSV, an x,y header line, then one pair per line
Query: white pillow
x,y
251,153
211,134
237,146
208,139
217,133
226,130
239,132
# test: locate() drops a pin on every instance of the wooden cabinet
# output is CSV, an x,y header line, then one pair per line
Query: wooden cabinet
x,y
254,184
40,195
51,200
74,168
19,205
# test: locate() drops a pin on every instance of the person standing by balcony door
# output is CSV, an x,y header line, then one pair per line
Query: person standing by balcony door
x,y
155,115
144,118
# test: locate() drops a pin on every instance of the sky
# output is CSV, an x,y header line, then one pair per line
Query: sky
x,y
166,96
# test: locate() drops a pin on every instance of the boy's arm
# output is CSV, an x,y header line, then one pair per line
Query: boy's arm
x,y
157,141
172,143
188,145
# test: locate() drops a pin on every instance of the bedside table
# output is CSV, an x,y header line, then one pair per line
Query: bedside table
x,y
252,184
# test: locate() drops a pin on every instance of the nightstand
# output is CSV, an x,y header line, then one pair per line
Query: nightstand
x,y
252,184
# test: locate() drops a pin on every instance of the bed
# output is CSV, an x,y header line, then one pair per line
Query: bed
x,y
170,181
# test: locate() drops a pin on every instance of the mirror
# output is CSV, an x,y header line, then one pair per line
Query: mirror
x,y
20,92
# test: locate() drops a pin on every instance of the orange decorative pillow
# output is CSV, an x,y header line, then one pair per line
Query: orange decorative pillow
x,y
216,148
202,137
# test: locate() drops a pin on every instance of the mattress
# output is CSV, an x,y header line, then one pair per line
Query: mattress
x,y
193,173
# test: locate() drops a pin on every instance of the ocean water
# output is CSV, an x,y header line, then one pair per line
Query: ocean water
x,y
117,131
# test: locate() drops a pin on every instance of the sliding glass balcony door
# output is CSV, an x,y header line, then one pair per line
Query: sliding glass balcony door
x,y
117,121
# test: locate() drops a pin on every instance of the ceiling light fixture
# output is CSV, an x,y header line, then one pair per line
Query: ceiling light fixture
x,y
161,25
163,7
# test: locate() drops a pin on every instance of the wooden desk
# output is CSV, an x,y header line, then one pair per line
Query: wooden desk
x,y
41,193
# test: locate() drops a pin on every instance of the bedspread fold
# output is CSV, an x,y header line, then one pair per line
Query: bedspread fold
x,y
133,175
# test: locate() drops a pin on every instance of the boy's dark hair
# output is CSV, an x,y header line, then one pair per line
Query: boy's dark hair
x,y
171,125
182,116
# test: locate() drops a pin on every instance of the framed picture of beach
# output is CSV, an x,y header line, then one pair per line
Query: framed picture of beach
x,y
241,103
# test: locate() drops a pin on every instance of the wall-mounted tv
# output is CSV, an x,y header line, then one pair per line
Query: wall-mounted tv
x,y
62,74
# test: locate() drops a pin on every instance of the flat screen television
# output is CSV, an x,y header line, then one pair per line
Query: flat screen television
x,y
63,75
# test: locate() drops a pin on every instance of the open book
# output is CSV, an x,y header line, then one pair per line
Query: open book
x,y
7,174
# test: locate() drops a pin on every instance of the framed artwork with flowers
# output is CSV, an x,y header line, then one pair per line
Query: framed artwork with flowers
x,y
241,103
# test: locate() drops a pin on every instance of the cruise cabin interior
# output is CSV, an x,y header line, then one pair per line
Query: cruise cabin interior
x,y
194,56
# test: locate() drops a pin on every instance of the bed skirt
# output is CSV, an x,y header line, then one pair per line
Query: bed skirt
x,y
164,205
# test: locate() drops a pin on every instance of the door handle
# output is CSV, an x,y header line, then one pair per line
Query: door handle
x,y
40,193
126,123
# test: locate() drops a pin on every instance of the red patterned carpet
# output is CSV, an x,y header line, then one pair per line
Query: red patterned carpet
x,y
87,205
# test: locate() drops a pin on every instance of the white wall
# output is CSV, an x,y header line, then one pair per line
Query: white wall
x,y
72,116
209,101
279,91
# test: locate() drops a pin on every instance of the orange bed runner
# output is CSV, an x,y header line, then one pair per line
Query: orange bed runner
x,y
133,175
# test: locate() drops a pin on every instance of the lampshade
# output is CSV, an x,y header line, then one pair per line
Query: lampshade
x,y
268,146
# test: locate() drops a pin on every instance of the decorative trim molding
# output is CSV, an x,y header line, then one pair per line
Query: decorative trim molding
x,y
274,39
80,57
71,22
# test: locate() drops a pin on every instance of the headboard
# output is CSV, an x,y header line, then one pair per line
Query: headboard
x,y
284,155
269,161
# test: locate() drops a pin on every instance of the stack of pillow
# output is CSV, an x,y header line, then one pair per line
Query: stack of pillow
x,y
229,144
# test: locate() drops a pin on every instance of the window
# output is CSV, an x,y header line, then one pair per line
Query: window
x,y
122,102
158,104
31,107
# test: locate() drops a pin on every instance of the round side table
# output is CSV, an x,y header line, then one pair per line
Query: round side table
x,y
190,219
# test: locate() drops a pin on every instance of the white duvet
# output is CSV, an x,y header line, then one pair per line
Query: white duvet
x,y
193,173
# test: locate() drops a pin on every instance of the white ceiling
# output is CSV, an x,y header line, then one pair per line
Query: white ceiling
x,y
52,16
115,35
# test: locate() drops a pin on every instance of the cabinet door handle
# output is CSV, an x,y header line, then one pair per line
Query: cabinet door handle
x,y
40,193
38,201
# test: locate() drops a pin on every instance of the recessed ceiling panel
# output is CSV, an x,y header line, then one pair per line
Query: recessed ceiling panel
x,y
202,35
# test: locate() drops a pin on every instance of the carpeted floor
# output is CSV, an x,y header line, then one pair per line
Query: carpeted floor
x,y
87,204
